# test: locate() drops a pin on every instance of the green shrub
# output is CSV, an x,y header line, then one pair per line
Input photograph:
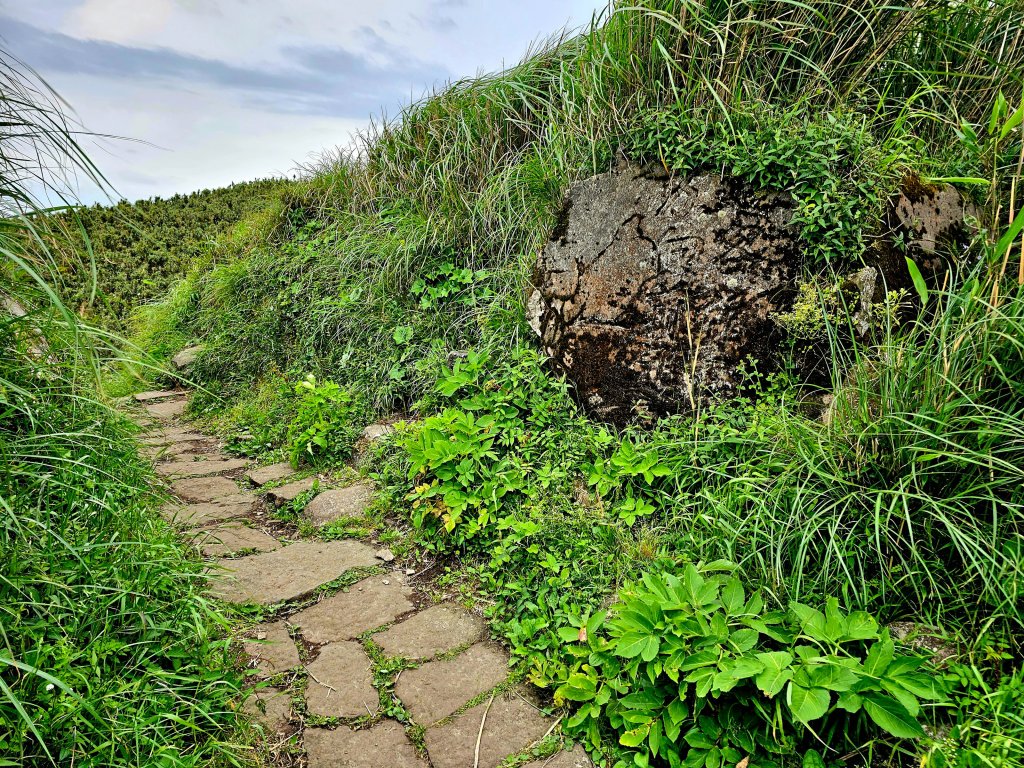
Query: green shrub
x,y
325,426
691,671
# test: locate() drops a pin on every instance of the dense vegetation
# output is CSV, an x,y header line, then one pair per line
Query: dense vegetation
x,y
704,590
135,251
109,653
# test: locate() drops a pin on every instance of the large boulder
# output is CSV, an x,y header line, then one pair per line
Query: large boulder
x,y
653,291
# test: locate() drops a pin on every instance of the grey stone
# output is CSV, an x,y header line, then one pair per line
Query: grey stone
x,y
158,394
288,573
176,451
339,502
167,409
199,468
510,726
927,214
386,555
340,683
271,708
268,474
186,357
385,745
205,488
439,688
291,491
652,290
438,629
366,605
377,431
272,648
575,758
233,537
208,512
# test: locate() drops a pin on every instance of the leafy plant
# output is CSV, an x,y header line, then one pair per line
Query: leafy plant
x,y
325,424
693,671
451,284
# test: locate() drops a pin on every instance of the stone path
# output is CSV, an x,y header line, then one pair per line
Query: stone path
x,y
346,639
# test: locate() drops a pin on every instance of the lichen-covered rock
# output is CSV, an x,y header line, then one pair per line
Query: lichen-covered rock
x,y
653,290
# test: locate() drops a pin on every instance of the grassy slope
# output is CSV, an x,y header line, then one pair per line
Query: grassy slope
x,y
384,269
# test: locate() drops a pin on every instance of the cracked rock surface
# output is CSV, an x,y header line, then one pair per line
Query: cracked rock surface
x,y
653,290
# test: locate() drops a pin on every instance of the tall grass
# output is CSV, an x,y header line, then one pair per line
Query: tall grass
x,y
109,654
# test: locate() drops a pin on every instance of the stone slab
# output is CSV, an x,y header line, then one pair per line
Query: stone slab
x,y
271,708
186,357
367,604
208,512
200,468
263,475
574,758
272,649
234,537
158,394
291,491
339,502
288,573
205,488
438,629
385,745
167,409
439,688
377,431
340,683
511,725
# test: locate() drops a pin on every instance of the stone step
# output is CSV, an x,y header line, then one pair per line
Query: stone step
x,y
288,573
199,468
385,744
337,503
291,491
438,629
365,605
438,688
208,512
205,488
574,758
272,649
263,475
271,708
509,725
340,682
233,537
158,394
167,409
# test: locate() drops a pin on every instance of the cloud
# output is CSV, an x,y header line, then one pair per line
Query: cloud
x,y
319,80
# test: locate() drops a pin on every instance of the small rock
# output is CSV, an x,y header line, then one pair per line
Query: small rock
x,y
291,491
338,503
186,357
263,475
385,554
377,431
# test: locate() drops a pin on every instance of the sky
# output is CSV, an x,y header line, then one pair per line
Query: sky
x,y
200,93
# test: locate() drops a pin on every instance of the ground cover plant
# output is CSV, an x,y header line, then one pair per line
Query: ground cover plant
x,y
109,653
392,281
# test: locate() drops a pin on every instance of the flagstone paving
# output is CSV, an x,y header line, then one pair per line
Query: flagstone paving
x,y
318,643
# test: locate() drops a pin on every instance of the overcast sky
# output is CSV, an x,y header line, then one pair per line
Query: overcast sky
x,y
217,91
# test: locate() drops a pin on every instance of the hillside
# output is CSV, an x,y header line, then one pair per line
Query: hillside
x,y
810,554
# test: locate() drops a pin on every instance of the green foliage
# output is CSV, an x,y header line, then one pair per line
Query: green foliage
x,y
450,284
324,427
692,671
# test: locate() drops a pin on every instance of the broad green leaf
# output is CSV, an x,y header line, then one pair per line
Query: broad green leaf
x,y
633,644
732,596
807,704
861,625
776,674
578,687
813,759
919,284
850,701
812,621
635,737
879,656
892,717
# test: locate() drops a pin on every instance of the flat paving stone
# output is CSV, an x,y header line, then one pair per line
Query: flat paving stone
x,y
438,688
367,604
289,572
271,708
200,468
174,451
339,502
268,474
167,409
511,725
438,629
377,431
234,537
385,745
205,488
574,758
291,491
158,394
272,648
340,683
208,512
